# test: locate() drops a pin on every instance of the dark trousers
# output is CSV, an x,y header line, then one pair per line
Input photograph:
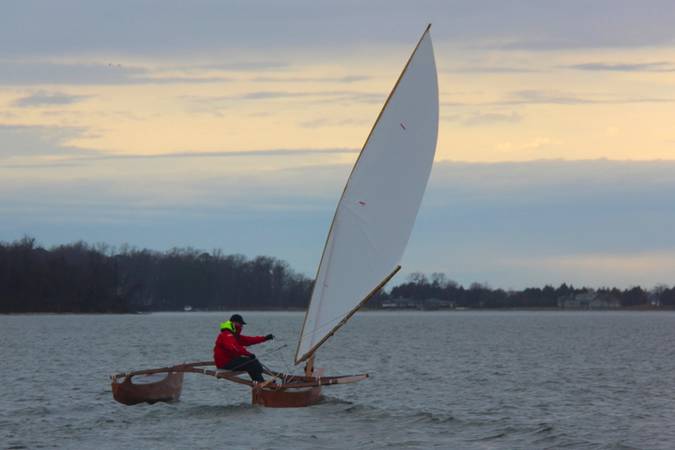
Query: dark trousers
x,y
243,363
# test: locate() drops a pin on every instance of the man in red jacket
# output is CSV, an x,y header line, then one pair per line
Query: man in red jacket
x,y
230,350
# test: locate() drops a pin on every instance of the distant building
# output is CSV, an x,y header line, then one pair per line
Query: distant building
x,y
437,303
654,299
589,300
409,303
400,303
605,301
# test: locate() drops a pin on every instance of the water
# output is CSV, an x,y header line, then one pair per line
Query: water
x,y
466,380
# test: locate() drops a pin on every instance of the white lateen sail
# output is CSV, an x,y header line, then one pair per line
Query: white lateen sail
x,y
377,210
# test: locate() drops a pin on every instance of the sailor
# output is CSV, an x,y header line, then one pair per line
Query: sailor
x,y
230,350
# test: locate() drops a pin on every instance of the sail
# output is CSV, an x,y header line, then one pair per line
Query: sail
x,y
377,210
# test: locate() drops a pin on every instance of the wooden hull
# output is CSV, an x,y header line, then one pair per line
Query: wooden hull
x,y
286,398
167,389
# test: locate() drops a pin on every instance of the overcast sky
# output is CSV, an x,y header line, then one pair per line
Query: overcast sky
x,y
234,125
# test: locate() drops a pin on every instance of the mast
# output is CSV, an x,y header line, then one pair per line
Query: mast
x,y
377,209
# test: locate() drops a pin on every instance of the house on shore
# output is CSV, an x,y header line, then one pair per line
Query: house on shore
x,y
589,300
426,304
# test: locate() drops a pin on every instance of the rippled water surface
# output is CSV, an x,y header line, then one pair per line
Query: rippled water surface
x,y
465,380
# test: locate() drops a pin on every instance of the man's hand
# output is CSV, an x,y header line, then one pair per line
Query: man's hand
x,y
269,337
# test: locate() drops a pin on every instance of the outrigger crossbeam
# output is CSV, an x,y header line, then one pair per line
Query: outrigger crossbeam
x,y
282,390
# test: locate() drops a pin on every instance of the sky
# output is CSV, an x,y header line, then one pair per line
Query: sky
x,y
234,125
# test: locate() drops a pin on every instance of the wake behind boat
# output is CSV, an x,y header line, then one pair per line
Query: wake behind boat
x,y
366,240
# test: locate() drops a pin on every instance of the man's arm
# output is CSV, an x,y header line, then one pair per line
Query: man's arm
x,y
252,340
235,346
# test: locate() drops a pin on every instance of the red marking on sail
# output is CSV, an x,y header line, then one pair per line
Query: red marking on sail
x,y
402,126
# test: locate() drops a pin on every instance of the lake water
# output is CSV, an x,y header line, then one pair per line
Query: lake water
x,y
464,379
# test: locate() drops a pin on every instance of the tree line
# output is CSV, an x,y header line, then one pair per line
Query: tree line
x,y
421,289
80,277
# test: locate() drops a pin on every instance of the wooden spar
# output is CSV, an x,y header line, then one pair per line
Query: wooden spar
x,y
344,320
309,367
224,374
176,368
298,358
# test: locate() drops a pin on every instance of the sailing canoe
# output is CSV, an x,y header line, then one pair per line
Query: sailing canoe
x,y
365,243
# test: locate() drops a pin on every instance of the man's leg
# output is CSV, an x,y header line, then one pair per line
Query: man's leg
x,y
252,366
255,370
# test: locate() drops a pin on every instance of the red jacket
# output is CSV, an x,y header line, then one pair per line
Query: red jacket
x,y
229,346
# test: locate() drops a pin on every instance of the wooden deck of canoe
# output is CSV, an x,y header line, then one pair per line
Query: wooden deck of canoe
x,y
281,390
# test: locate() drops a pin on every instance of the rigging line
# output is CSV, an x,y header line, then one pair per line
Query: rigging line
x,y
283,362
271,352
264,354
278,357
272,372
274,350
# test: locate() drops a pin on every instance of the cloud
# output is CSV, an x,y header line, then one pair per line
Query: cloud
x,y
512,224
28,73
484,119
478,220
178,80
215,104
43,98
600,269
351,96
30,141
346,79
607,262
234,66
537,143
322,123
22,73
49,143
626,67
233,154
266,95
552,97
214,26
549,97
491,69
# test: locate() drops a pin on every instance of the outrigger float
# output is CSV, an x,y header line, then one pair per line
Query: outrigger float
x,y
365,243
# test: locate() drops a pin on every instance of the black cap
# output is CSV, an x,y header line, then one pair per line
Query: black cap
x,y
237,318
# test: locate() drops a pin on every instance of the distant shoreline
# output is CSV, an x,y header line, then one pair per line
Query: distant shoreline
x,y
83,278
384,310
